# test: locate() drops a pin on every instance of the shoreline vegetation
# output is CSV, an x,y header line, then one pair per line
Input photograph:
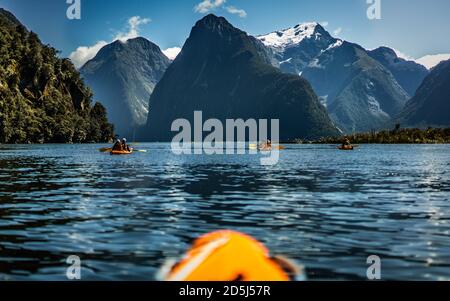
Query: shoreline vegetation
x,y
395,136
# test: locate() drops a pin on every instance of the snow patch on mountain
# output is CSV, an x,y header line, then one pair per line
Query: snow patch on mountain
x,y
286,61
315,64
324,100
337,44
375,107
291,36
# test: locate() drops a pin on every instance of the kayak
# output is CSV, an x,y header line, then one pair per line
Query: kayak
x,y
278,147
271,148
115,152
266,148
346,148
229,256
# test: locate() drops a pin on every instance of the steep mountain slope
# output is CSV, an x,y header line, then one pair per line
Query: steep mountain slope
x,y
123,76
227,74
431,104
408,74
361,94
358,91
42,97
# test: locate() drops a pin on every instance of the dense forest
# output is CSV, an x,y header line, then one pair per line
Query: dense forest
x,y
42,97
396,136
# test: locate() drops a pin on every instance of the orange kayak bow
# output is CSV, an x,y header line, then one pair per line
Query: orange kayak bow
x,y
229,256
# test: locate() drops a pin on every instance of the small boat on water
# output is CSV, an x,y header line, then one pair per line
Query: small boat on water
x,y
266,148
271,148
346,147
123,152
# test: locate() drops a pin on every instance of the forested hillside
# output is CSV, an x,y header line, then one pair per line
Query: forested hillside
x,y
42,97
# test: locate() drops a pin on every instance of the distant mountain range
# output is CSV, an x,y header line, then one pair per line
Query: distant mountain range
x,y
431,104
226,73
123,76
362,90
313,82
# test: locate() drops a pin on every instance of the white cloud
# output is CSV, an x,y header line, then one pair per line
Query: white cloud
x,y
172,53
133,28
403,55
236,11
337,31
324,23
207,6
431,61
84,53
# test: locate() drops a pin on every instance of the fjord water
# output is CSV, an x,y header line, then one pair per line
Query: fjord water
x,y
125,215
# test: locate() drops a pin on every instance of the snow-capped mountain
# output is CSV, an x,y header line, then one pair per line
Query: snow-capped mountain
x,y
359,92
296,47
291,36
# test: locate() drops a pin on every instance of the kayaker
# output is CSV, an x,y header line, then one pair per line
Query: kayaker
x,y
346,142
117,146
125,145
266,145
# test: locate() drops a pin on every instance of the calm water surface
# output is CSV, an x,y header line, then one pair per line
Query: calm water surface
x,y
124,216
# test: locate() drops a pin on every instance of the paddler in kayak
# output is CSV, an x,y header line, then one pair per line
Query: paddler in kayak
x,y
125,146
266,145
230,256
346,144
117,146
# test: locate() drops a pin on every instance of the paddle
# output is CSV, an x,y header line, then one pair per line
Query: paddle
x,y
253,146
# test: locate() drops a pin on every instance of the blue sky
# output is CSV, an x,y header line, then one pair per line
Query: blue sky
x,y
414,27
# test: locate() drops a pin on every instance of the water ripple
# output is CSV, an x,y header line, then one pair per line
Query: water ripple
x,y
125,215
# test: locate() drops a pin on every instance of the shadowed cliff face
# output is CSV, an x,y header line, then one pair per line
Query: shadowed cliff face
x,y
228,75
431,104
123,76
408,74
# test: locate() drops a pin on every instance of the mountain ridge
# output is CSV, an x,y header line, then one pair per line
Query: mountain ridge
x,y
359,92
430,106
123,76
226,73
408,73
